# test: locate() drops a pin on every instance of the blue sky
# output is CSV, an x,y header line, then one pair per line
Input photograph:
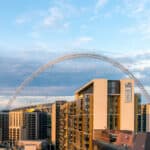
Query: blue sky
x,y
34,32
67,24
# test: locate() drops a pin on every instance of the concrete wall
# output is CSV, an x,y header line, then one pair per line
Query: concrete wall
x,y
100,104
127,114
53,128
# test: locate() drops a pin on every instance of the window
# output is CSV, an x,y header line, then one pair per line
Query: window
x,y
128,92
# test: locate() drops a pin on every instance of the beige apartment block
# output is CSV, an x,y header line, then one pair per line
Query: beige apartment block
x,y
112,101
15,126
98,88
101,104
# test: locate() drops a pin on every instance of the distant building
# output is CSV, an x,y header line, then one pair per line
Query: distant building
x,y
4,126
35,126
17,121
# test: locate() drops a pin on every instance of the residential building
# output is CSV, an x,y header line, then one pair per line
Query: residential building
x,y
145,116
4,126
138,113
35,125
17,121
55,128
63,127
100,104
15,126
113,100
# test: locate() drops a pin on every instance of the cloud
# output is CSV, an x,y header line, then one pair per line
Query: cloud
x,y
141,65
51,90
135,7
100,4
22,101
138,12
58,16
54,17
35,34
83,40
29,17
142,28
64,78
136,60
66,25
21,20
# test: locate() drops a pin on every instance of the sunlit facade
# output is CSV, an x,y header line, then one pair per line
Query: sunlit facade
x,y
100,104
15,126
145,116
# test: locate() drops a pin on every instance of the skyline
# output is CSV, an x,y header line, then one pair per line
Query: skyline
x,y
34,33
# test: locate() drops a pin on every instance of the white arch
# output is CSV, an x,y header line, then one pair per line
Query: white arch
x,y
73,56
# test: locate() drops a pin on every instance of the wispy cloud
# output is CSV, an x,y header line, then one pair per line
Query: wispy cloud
x,y
21,20
29,17
100,4
35,34
138,12
142,28
82,40
54,17
135,7
22,101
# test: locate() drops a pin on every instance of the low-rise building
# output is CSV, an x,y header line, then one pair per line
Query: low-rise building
x,y
32,145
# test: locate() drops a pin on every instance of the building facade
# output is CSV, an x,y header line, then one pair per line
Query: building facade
x,y
113,101
15,126
23,120
63,127
55,126
138,113
100,104
35,125
4,127
145,117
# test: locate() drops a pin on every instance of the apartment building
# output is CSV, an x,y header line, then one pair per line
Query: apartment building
x,y
100,104
4,126
35,125
63,127
18,125
15,126
145,117
138,113
55,124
